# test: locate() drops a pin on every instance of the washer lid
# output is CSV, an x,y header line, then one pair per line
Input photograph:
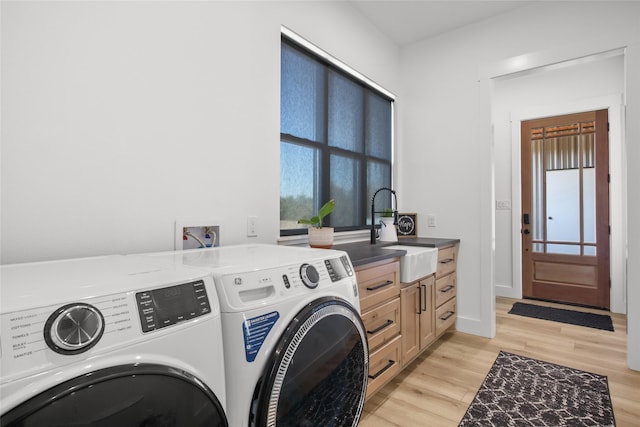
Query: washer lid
x,y
31,285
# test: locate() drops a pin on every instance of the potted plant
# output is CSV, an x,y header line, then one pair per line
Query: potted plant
x,y
386,213
319,236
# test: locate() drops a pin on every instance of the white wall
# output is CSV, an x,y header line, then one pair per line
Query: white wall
x,y
119,118
447,151
574,87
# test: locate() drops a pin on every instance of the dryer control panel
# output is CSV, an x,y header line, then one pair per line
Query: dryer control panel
x,y
246,288
164,307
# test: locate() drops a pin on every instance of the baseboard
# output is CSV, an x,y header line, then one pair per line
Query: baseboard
x,y
474,327
508,291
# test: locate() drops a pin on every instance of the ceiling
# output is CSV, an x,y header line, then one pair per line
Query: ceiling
x,y
406,22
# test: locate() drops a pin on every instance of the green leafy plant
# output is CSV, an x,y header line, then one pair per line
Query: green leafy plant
x,y
316,221
386,213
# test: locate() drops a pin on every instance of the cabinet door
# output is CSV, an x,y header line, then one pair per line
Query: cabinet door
x,y
410,322
427,315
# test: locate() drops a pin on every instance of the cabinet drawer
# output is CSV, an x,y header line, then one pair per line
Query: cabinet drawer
x,y
446,261
445,316
378,284
382,323
445,288
384,364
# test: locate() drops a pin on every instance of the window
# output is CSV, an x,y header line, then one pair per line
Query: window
x,y
335,142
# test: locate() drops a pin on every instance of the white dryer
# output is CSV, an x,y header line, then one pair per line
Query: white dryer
x,y
295,347
110,341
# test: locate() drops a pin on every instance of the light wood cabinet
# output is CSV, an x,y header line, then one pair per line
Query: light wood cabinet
x,y
403,319
418,330
379,289
446,289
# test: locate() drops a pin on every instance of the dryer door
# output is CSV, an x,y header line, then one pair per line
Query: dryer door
x,y
317,376
131,395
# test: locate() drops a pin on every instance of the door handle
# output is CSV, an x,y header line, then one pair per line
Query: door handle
x,y
526,231
380,286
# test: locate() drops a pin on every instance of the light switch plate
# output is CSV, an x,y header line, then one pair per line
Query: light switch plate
x,y
503,205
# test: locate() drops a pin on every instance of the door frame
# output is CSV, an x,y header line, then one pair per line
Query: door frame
x,y
617,170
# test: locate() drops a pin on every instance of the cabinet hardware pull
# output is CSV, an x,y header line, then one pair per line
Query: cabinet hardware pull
x,y
446,289
419,299
424,297
447,261
382,285
383,370
381,327
447,315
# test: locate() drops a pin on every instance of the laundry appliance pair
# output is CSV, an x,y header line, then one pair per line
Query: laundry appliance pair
x,y
295,347
247,335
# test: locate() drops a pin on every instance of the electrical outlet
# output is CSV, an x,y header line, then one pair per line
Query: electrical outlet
x,y
431,221
252,229
193,235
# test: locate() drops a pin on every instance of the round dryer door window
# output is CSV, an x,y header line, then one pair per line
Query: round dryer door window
x,y
129,395
317,376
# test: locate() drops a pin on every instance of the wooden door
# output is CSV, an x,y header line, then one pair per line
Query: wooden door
x,y
565,206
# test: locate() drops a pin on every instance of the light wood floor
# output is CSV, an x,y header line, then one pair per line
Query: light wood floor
x,y
436,389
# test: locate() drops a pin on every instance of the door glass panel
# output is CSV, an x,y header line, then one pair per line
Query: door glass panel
x,y
589,189
563,249
590,250
563,188
537,184
324,381
563,206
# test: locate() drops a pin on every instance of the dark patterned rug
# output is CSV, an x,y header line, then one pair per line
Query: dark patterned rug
x,y
519,391
573,317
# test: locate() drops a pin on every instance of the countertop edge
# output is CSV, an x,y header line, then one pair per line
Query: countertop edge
x,y
362,253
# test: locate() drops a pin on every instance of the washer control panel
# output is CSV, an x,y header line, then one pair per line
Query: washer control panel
x,y
41,338
164,307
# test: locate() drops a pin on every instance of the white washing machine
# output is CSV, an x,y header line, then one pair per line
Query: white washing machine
x,y
110,341
295,347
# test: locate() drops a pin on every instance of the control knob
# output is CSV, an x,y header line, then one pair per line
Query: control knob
x,y
74,328
309,275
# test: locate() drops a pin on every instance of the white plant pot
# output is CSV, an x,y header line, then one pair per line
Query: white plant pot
x,y
321,237
388,230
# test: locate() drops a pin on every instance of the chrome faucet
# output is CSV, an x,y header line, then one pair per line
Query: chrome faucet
x,y
373,212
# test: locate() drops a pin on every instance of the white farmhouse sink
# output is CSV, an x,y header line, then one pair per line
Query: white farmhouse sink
x,y
417,263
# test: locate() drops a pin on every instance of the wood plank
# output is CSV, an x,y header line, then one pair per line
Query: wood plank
x,y
437,387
